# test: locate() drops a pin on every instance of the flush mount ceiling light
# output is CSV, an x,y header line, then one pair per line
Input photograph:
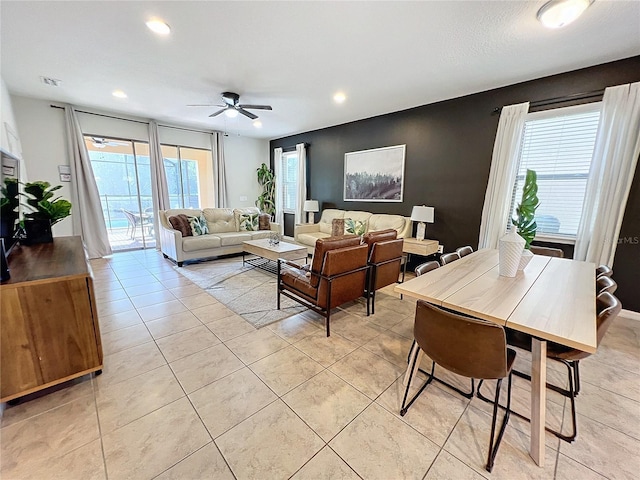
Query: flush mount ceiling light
x,y
159,26
119,94
559,13
257,123
339,97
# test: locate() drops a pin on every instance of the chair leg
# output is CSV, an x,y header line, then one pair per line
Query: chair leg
x,y
576,373
327,318
411,350
373,302
405,405
493,449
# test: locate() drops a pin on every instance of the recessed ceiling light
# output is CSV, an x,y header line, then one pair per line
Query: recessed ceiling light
x,y
559,13
257,123
119,94
339,97
159,26
231,112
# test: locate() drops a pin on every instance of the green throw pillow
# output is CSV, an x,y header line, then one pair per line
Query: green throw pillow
x,y
198,225
355,227
249,222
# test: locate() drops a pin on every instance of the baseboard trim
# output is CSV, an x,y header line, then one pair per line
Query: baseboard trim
x,y
630,314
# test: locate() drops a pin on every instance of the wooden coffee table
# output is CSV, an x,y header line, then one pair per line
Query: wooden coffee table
x,y
265,256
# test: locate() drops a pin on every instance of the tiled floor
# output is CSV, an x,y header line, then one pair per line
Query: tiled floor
x,y
192,391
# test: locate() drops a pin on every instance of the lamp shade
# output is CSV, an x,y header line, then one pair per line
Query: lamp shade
x,y
311,206
420,213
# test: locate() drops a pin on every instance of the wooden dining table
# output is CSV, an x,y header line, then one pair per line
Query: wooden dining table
x,y
552,299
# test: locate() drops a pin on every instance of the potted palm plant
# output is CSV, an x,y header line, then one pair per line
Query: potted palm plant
x,y
45,211
266,202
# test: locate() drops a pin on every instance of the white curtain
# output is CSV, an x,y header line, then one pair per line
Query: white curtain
x,y
277,163
219,174
87,217
615,156
159,188
502,176
302,181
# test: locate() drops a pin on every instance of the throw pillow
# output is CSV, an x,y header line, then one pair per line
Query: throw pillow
x,y
337,227
198,225
355,227
264,221
249,222
181,223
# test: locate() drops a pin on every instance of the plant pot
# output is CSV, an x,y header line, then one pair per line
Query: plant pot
x,y
510,249
38,231
526,257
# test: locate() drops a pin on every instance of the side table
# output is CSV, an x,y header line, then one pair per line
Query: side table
x,y
414,246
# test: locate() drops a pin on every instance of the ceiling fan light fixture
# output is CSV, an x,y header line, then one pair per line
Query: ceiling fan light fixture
x,y
560,13
257,123
119,94
231,113
159,26
339,97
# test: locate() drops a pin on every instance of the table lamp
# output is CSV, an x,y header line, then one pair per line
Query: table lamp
x,y
421,214
311,206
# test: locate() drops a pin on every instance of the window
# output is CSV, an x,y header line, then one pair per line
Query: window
x,y
558,145
186,181
289,173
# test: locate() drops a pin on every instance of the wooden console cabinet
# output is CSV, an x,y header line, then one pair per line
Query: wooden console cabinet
x,y
49,324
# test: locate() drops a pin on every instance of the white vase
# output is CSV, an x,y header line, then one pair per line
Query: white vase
x,y
526,257
510,249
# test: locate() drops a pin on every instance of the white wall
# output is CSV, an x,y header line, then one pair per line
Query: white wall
x,y
9,135
43,139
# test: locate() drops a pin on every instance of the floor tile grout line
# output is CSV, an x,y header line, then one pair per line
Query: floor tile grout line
x,y
95,404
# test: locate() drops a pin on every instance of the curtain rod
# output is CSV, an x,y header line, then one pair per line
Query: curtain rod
x,y
137,121
563,99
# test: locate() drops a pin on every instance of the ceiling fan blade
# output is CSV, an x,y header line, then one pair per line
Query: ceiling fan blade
x,y
257,107
215,114
246,114
205,105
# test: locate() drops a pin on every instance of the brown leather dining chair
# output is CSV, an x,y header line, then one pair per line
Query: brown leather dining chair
x,y
547,251
464,251
337,275
608,308
604,270
385,260
448,258
465,346
606,284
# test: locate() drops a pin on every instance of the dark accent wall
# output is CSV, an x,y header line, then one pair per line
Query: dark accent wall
x,y
448,157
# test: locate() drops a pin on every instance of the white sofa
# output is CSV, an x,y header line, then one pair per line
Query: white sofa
x,y
307,234
224,235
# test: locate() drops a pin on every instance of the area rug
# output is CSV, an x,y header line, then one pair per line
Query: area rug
x,y
248,291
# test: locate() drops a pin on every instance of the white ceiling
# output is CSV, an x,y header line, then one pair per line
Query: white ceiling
x,y
386,56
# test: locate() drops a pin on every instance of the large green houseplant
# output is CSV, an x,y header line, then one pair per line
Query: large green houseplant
x,y
266,202
44,211
526,211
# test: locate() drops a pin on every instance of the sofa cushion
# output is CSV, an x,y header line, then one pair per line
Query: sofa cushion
x,y
181,223
357,215
260,234
201,242
311,237
220,220
233,238
337,227
355,227
327,216
239,212
264,221
386,221
198,225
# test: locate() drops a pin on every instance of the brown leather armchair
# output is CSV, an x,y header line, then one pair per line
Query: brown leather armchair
x,y
337,275
385,259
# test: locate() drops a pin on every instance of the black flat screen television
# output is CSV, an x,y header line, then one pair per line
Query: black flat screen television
x,y
10,211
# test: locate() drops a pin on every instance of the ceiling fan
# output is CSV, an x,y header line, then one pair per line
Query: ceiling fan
x,y
99,142
232,106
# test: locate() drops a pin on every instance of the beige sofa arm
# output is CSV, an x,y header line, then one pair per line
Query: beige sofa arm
x,y
275,227
305,228
170,240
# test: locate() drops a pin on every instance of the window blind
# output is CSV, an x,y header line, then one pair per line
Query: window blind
x,y
558,145
289,181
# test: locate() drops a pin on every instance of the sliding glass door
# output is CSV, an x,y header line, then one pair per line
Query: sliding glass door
x,y
123,174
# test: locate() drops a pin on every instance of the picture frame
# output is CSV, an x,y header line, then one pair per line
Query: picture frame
x,y
375,175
